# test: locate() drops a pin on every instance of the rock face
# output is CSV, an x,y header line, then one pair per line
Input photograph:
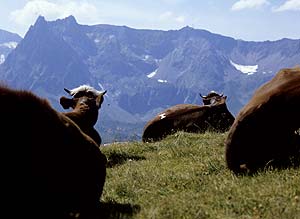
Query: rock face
x,y
266,131
8,42
144,71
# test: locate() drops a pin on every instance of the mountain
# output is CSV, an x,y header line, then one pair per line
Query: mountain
x,y
144,71
8,42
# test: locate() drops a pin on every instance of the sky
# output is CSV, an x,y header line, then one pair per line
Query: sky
x,y
251,20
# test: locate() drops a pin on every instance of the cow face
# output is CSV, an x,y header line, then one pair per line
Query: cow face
x,y
84,96
212,98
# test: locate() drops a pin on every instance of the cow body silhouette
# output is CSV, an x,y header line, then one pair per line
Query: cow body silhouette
x,y
189,118
266,130
52,167
86,102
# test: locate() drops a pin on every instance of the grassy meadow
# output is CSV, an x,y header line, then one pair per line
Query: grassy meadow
x,y
185,176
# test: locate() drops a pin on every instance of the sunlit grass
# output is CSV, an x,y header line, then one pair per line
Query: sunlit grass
x,y
185,176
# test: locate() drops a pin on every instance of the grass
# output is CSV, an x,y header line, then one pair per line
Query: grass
x,y
185,176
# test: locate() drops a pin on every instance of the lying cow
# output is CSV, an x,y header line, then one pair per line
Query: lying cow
x,y
189,118
266,130
50,167
85,102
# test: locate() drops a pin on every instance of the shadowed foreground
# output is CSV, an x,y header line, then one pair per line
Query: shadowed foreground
x,y
50,167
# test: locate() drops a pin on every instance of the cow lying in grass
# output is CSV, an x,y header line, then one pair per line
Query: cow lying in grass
x,y
266,130
189,118
85,102
50,167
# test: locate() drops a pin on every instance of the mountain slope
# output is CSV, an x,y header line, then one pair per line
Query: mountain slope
x,y
144,71
8,42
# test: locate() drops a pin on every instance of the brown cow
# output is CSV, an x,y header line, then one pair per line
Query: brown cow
x,y
50,166
266,130
189,118
86,102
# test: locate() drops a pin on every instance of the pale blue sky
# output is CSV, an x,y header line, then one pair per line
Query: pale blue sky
x,y
255,20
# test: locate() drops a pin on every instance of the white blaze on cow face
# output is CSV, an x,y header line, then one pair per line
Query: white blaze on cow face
x,y
162,116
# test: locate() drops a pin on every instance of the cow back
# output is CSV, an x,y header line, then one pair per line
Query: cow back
x,y
265,130
188,118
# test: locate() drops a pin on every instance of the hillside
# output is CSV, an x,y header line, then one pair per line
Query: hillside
x,y
185,176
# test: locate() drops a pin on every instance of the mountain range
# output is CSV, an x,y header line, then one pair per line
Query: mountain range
x,y
144,71
8,42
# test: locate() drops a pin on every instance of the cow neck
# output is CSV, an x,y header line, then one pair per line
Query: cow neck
x,y
84,116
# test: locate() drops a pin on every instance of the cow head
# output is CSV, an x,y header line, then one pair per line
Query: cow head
x,y
83,96
212,98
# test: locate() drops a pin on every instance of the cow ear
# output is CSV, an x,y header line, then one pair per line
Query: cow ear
x,y
66,102
100,98
203,97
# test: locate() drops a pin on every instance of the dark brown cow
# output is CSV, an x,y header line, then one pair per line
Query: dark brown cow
x,y
85,102
49,166
189,118
266,130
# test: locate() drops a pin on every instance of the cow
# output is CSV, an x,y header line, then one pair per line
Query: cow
x,y
50,167
189,118
85,102
265,132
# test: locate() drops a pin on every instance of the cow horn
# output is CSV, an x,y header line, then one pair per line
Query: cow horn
x,y
68,91
202,96
103,92
221,95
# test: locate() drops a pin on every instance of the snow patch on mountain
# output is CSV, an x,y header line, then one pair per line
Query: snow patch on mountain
x,y
2,58
162,81
152,74
10,45
246,69
97,40
146,57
